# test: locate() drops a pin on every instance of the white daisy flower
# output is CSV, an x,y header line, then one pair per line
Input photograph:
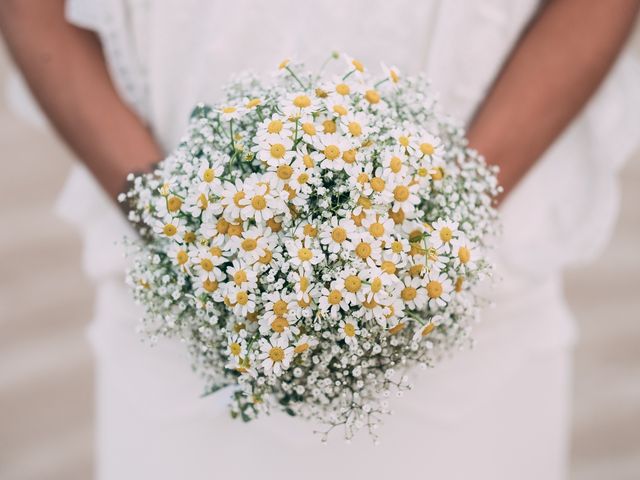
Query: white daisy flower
x,y
463,252
299,104
231,112
275,150
438,288
413,292
392,73
378,226
232,197
170,227
206,263
349,331
332,147
261,202
304,253
333,300
275,355
209,174
338,234
242,276
443,234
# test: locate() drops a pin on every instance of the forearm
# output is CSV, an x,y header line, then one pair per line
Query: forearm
x,y
550,75
66,71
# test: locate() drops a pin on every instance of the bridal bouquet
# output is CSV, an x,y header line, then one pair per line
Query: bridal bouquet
x,y
311,239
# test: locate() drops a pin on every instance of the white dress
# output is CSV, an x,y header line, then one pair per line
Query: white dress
x,y
499,411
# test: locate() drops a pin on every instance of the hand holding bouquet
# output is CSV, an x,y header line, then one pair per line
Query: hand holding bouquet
x,y
312,238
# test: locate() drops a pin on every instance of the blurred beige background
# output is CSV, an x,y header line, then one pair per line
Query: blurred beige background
x,y
46,392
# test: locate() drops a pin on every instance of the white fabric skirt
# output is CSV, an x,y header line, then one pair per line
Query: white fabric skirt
x,y
497,411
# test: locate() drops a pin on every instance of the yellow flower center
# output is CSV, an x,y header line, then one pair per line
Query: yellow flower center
x,y
446,234
303,178
363,178
334,297
388,267
459,283
203,201
427,148
169,230
309,230
339,234
284,172
396,246
279,324
223,226
363,250
283,63
206,264
395,164
182,257
235,230
189,237
434,289
302,101
437,173
349,330
331,152
403,140
274,225
349,156
237,197
376,285
240,277
174,204
266,258
242,297
259,202
397,217
394,76
376,229
309,128
397,329
464,254
355,129
343,89
208,175
408,293
254,102
340,110
357,64
329,126
303,347
280,307
210,285
304,284
228,109
215,251
352,283
305,254
372,96
428,329
277,150
415,270
377,184
274,126
235,349
401,193
276,354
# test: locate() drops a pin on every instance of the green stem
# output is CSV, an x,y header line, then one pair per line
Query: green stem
x,y
295,77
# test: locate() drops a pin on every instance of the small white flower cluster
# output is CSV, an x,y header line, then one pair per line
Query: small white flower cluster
x,y
312,238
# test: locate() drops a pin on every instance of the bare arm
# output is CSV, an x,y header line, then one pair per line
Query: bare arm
x,y
66,71
550,75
